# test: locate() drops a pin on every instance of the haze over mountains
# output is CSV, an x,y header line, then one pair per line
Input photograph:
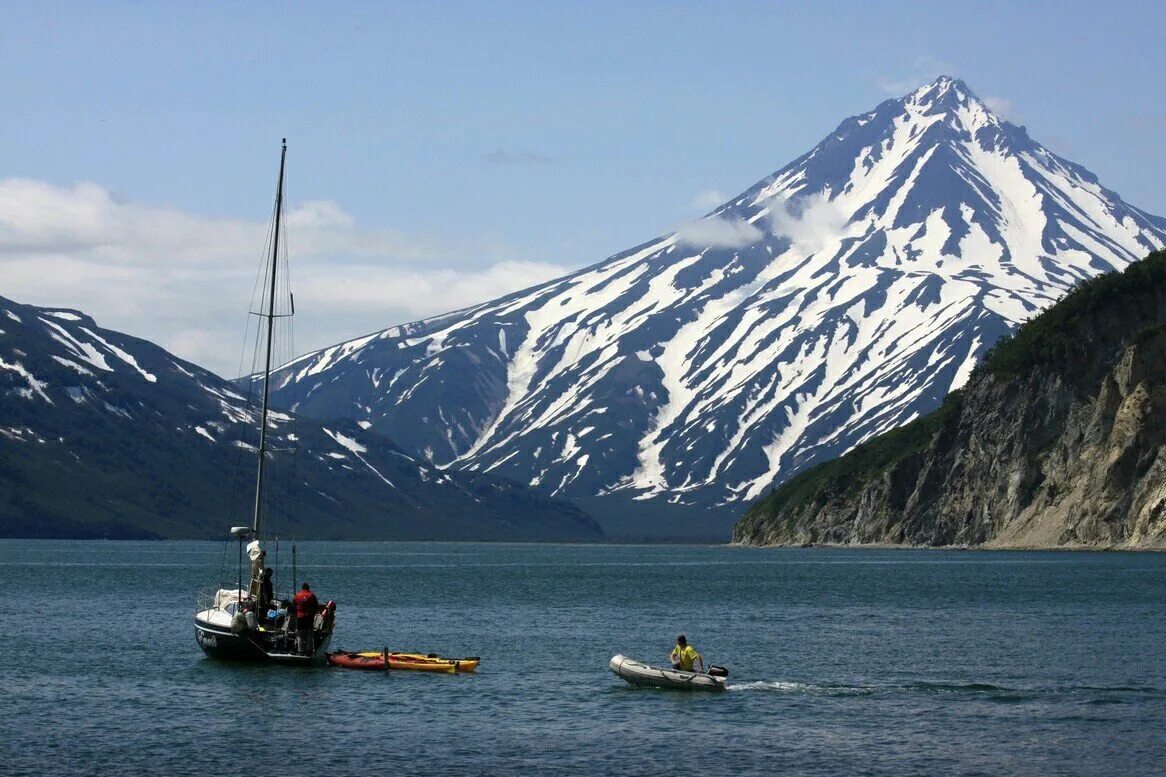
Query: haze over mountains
x,y
838,298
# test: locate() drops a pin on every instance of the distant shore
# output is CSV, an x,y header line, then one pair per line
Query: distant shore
x,y
1160,548
986,546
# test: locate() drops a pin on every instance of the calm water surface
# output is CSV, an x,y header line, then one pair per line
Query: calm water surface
x,y
843,662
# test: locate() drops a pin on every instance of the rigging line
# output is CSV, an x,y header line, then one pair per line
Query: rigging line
x,y
237,468
279,501
294,493
260,274
223,546
245,427
267,356
290,345
249,396
253,384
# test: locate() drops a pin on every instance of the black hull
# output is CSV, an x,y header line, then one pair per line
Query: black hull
x,y
221,644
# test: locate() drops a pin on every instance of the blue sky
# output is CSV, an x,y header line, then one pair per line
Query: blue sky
x,y
454,150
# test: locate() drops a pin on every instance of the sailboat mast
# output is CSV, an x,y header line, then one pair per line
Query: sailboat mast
x,y
270,315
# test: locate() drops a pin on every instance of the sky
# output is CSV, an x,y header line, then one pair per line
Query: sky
x,y
442,154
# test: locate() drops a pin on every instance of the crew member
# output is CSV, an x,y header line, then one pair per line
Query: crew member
x,y
684,655
244,620
238,621
326,618
266,593
305,604
277,615
250,617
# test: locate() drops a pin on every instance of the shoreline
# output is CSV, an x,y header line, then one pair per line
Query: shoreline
x,y
1012,548
1019,548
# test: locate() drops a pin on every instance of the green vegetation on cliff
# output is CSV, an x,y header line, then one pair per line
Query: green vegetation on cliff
x,y
1086,324
1076,341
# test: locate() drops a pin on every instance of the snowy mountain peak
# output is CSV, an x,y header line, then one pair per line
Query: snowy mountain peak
x,y
837,298
943,91
953,107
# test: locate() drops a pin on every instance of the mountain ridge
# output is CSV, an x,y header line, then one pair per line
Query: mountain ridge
x,y
107,435
839,297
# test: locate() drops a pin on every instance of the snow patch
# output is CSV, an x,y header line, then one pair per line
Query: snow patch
x,y
70,364
119,353
35,387
346,442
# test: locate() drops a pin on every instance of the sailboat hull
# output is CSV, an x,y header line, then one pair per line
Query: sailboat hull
x,y
220,643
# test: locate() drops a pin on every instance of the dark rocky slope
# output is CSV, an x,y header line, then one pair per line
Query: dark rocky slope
x,y
1056,441
107,435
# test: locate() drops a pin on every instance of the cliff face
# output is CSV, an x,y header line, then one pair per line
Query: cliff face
x,y
1059,440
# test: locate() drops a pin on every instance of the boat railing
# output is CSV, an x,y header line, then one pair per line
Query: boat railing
x,y
204,601
208,599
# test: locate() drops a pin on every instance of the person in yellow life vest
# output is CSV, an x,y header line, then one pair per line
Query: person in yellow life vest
x,y
684,655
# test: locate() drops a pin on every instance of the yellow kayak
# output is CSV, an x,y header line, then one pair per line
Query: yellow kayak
x,y
424,662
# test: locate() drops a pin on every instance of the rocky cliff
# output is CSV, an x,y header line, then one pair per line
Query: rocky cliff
x,y
1056,441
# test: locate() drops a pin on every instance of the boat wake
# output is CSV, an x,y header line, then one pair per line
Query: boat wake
x,y
805,689
1085,693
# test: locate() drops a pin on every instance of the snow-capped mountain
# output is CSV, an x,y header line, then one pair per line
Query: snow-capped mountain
x,y
106,435
836,299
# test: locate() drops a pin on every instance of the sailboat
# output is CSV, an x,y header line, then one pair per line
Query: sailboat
x,y
232,622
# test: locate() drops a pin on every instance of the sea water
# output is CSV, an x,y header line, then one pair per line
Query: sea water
x,y
893,662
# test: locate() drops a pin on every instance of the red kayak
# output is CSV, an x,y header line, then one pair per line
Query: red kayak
x,y
356,661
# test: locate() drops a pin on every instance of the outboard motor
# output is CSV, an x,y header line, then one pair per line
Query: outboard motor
x,y
718,671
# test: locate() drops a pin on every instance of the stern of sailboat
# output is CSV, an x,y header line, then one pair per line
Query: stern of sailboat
x,y
213,632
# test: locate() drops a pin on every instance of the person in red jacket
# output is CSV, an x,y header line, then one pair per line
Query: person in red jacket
x,y
305,604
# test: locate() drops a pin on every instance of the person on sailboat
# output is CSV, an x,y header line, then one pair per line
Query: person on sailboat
x,y
305,604
238,621
244,619
326,618
266,593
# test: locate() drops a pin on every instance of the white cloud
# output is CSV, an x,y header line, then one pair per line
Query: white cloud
x,y
184,281
717,232
810,223
708,199
999,106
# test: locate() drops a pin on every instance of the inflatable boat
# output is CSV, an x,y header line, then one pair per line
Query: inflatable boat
x,y
643,675
415,662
